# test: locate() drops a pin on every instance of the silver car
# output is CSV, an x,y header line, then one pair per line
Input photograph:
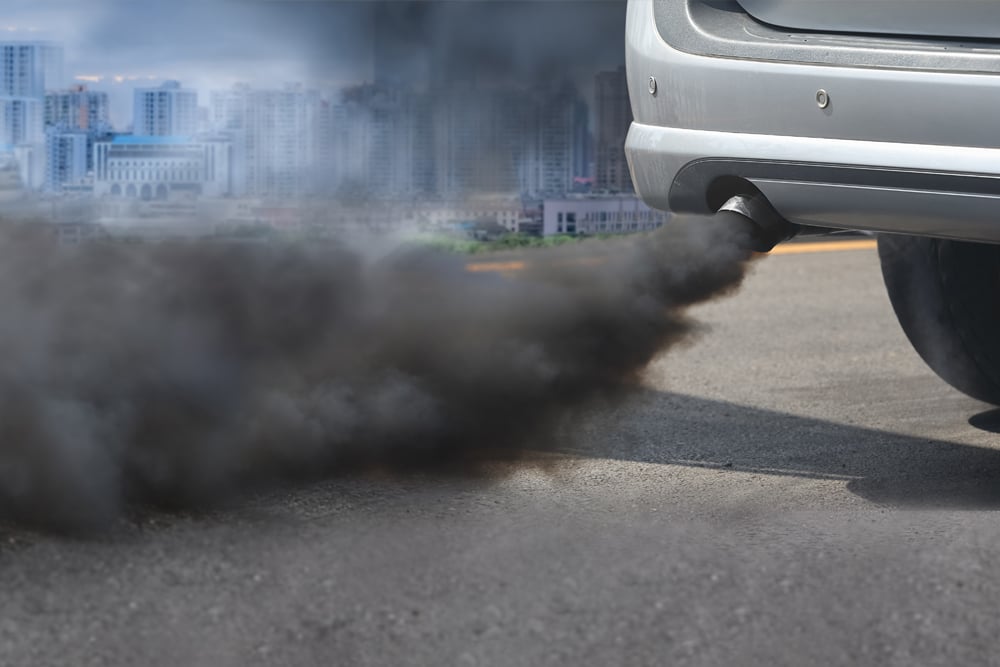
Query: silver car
x,y
878,115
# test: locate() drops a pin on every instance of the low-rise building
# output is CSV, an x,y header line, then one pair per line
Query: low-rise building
x,y
504,212
599,214
157,167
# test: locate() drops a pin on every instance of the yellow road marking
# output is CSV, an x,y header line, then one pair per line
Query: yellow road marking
x,y
511,266
823,246
518,265
498,267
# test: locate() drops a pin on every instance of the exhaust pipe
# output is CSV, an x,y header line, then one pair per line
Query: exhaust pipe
x,y
766,226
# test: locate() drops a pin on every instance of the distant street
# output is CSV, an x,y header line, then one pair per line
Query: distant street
x,y
793,488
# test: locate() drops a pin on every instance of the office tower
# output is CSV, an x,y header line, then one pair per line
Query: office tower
x,y
274,135
382,141
71,116
614,114
27,68
77,108
559,120
168,110
67,158
482,140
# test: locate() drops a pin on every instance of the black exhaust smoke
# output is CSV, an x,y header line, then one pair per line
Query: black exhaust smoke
x,y
175,374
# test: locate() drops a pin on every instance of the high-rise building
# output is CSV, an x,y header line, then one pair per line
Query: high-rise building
x,y
457,141
327,120
280,140
227,108
381,141
481,140
558,154
77,108
421,114
27,69
614,114
71,116
583,158
21,121
349,132
168,110
274,134
67,157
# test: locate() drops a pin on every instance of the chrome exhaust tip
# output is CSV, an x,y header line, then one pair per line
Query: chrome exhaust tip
x,y
767,228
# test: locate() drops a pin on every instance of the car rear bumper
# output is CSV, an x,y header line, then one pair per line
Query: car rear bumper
x,y
913,150
941,191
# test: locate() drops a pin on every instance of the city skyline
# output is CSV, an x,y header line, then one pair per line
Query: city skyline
x,y
114,46
385,140
442,104
379,139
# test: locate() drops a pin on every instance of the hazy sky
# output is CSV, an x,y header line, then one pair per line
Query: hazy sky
x,y
213,43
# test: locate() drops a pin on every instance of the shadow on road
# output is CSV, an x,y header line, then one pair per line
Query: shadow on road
x,y
672,429
880,466
988,421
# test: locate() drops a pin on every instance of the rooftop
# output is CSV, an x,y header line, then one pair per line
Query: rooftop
x,y
135,140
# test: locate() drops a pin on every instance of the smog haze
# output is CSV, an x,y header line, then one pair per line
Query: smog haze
x,y
115,45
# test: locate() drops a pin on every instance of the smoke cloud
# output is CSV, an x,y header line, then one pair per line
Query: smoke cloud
x,y
174,374
527,42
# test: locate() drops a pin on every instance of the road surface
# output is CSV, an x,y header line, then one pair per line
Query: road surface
x,y
793,488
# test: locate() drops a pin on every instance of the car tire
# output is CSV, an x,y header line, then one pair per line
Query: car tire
x,y
946,295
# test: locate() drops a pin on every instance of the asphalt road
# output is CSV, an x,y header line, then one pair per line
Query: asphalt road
x,y
793,488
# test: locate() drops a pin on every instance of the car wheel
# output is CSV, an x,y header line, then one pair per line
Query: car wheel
x,y
946,295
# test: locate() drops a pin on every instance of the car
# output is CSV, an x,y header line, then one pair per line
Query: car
x,y
873,115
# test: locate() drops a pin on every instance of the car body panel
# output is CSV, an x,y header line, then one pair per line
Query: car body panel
x,y
941,18
722,28
878,120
